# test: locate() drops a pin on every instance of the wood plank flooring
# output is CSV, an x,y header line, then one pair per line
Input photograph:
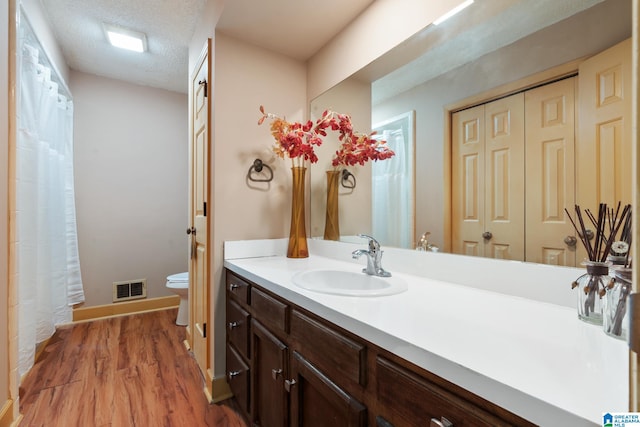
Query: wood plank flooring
x,y
120,372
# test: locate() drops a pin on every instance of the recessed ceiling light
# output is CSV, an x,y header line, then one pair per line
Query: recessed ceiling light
x,y
125,39
452,12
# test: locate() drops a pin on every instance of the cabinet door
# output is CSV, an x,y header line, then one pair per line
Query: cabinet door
x,y
268,396
318,401
238,375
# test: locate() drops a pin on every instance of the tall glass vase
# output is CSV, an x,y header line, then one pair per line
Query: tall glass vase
x,y
332,221
298,233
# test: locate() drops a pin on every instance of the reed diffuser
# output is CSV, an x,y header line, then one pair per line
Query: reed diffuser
x,y
593,285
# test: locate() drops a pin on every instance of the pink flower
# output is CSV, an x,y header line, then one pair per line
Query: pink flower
x,y
297,140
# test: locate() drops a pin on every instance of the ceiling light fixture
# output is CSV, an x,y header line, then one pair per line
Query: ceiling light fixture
x,y
126,39
452,12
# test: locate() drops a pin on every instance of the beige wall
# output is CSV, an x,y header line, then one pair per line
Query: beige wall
x,y
131,184
385,24
246,77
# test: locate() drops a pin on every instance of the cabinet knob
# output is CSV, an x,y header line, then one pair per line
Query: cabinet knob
x,y
233,287
589,234
570,241
487,235
275,373
234,324
232,374
288,384
191,230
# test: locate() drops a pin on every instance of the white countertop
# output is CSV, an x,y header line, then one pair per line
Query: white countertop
x,y
534,358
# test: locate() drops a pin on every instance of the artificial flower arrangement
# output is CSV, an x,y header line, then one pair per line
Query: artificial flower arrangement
x,y
298,141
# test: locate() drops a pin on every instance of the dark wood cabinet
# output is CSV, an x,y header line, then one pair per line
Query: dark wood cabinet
x,y
238,377
316,400
290,367
407,399
269,357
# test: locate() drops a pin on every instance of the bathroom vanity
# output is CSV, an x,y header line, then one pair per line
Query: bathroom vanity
x,y
438,352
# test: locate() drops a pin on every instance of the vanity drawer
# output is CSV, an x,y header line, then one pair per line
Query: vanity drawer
x,y
269,311
334,353
238,378
238,288
238,327
407,399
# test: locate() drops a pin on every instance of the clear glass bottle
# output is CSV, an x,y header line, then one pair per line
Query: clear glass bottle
x,y
615,320
590,287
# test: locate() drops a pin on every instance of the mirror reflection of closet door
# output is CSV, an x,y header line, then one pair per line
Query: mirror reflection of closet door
x,y
604,148
488,179
550,149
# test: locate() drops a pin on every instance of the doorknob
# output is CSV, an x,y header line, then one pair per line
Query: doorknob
x,y
487,235
570,241
191,230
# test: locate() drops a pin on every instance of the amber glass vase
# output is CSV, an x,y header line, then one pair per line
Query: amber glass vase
x,y
298,233
332,222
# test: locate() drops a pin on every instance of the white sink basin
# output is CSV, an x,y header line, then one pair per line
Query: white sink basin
x,y
348,283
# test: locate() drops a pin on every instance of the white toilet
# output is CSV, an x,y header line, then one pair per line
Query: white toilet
x,y
179,284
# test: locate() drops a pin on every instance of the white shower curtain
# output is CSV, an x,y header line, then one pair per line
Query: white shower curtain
x,y
47,261
391,194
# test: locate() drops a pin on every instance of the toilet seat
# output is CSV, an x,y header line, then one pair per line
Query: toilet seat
x,y
179,277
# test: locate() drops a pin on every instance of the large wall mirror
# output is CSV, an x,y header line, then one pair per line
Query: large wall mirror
x,y
487,53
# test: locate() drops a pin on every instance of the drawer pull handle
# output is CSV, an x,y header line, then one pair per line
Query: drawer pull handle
x,y
232,374
233,287
288,384
234,324
275,373
443,423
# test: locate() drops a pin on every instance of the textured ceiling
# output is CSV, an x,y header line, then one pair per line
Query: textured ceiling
x,y
296,28
168,24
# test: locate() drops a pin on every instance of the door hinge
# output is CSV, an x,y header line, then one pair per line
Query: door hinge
x,y
204,208
204,330
204,82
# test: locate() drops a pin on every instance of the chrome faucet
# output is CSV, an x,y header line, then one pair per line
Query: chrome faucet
x,y
374,258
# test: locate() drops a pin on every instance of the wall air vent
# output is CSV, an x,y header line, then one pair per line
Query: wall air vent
x,y
129,290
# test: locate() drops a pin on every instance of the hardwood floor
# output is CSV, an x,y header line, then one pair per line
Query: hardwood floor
x,y
120,372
